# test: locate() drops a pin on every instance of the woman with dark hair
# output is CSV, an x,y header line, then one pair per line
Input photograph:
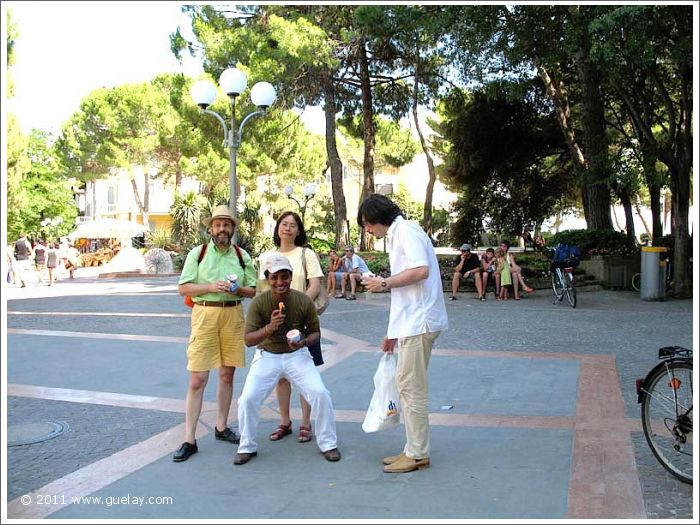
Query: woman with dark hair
x,y
290,238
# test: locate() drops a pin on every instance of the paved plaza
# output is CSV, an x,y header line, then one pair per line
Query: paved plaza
x,y
532,406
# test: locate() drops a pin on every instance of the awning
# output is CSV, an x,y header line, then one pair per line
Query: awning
x,y
107,229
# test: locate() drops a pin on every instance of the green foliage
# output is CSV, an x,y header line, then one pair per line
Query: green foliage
x,y
441,226
377,262
18,166
508,160
412,209
159,238
595,242
186,212
44,194
395,146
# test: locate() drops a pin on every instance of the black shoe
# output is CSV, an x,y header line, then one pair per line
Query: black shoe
x,y
227,435
185,451
243,457
453,298
332,454
482,298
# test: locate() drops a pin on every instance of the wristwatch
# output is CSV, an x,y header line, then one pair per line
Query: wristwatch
x,y
383,283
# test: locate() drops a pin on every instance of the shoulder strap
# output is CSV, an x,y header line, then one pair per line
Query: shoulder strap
x,y
202,251
303,261
240,256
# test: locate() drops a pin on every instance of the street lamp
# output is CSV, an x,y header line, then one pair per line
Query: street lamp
x,y
309,193
233,82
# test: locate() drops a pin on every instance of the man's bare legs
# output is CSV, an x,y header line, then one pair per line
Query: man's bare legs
x,y
224,394
354,277
193,403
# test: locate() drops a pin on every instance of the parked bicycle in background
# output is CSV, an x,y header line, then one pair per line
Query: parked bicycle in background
x,y
666,396
565,258
637,277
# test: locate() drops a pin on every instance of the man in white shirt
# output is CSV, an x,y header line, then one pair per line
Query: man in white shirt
x,y
416,319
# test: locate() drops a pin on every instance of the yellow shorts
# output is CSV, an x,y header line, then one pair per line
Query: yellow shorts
x,y
217,338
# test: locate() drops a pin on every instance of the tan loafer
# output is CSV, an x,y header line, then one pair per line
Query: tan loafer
x,y
406,464
392,459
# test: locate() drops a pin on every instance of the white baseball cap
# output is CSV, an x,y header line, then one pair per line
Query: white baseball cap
x,y
276,262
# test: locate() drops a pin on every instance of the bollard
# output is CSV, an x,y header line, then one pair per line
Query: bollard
x,y
653,286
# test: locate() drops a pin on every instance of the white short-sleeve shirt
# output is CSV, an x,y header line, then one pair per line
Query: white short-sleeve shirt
x,y
420,307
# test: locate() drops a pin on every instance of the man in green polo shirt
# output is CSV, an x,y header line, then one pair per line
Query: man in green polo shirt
x,y
218,323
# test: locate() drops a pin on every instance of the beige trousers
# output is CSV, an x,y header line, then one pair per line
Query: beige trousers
x,y
412,382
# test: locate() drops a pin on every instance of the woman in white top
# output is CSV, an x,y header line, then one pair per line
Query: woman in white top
x,y
290,239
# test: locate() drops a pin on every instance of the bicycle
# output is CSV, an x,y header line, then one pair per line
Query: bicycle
x,y
563,282
666,396
637,278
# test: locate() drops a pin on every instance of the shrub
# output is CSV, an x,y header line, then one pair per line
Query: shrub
x,y
158,239
377,262
595,242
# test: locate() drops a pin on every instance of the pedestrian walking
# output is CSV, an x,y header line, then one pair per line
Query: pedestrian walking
x,y
417,316
216,339
52,260
40,260
72,260
24,257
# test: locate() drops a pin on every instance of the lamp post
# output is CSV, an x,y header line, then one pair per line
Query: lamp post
x,y
309,193
233,82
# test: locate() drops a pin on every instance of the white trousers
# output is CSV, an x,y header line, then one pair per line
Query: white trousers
x,y
299,369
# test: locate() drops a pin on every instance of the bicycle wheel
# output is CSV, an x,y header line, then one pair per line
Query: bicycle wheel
x,y
667,417
570,290
557,285
637,282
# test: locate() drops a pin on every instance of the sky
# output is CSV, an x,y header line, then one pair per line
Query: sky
x,y
64,50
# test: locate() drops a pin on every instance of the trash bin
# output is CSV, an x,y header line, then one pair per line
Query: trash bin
x,y
653,286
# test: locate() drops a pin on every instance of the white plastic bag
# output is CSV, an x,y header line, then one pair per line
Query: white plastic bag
x,y
384,410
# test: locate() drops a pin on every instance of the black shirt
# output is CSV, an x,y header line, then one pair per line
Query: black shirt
x,y
471,262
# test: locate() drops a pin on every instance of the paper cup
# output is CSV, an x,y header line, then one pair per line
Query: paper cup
x,y
294,336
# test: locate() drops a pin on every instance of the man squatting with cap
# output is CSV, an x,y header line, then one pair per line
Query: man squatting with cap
x,y
216,339
271,315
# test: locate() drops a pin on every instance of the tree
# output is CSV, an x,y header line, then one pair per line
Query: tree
x,y
508,41
647,53
186,212
395,146
292,50
412,32
119,128
18,163
507,159
46,194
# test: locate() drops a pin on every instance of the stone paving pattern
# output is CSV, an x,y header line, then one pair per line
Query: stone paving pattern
x,y
605,323
94,432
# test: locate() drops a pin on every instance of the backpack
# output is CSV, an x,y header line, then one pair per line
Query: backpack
x,y
188,299
567,255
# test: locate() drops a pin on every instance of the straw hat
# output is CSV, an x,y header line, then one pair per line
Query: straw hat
x,y
221,212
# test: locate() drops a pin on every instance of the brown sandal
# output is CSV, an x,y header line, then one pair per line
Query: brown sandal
x,y
305,434
281,431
